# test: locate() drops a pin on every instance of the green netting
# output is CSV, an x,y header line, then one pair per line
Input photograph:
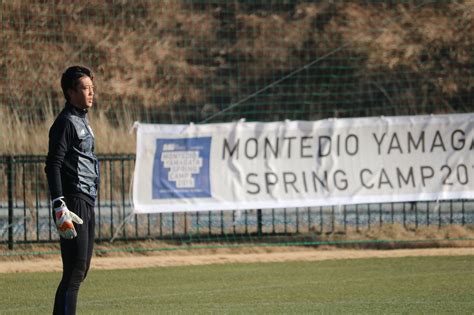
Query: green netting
x,y
211,61
219,61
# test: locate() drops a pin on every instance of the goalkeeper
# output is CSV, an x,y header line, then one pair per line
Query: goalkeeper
x,y
72,170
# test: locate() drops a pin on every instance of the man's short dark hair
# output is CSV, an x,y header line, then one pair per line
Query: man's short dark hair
x,y
71,76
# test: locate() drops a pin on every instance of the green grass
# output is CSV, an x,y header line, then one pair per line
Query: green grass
x,y
416,285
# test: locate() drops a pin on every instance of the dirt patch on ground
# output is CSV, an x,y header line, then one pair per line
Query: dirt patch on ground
x,y
225,256
390,241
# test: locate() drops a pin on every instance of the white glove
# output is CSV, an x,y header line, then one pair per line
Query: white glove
x,y
65,219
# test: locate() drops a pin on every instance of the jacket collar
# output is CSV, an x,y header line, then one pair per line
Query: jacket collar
x,y
76,111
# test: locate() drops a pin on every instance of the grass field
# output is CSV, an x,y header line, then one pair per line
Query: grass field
x,y
429,285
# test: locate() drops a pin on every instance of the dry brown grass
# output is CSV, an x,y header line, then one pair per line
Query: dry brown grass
x,y
18,136
178,61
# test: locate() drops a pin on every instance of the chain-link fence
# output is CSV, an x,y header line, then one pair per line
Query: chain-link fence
x,y
209,61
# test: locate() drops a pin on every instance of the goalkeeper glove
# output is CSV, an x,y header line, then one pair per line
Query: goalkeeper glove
x,y
65,219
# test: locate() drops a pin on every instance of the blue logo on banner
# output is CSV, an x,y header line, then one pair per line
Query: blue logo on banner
x,y
181,168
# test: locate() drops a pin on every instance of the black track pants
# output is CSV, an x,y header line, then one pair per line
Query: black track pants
x,y
76,255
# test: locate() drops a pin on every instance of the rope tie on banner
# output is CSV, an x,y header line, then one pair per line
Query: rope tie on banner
x,y
121,226
134,127
437,205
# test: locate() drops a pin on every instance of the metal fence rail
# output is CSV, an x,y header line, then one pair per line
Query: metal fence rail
x,y
25,212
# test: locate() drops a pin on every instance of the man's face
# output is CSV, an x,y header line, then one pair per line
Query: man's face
x,y
82,95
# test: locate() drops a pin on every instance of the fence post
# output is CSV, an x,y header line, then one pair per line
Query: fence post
x,y
259,222
10,185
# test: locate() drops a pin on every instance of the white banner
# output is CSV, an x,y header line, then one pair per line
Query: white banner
x,y
241,165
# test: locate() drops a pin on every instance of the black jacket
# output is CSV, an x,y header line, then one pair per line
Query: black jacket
x,y
72,168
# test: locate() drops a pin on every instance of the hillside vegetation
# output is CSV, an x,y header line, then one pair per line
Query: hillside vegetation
x,y
182,61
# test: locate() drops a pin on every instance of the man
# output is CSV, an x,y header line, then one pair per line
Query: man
x,y
72,170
